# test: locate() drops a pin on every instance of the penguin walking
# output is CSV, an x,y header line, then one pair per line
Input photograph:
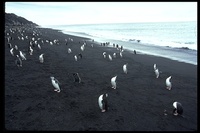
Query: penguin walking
x,y
168,83
103,103
113,82
55,84
178,109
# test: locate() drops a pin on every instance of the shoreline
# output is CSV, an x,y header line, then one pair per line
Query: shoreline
x,y
138,104
137,47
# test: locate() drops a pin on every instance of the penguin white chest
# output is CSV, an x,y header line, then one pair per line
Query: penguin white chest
x,y
125,68
100,101
157,73
113,82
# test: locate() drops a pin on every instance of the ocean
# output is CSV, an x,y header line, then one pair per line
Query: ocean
x,y
174,40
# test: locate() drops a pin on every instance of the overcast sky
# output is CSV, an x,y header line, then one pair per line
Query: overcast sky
x,y
63,13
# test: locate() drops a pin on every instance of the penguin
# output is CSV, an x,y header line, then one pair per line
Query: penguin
x,y
9,45
41,58
18,61
154,67
22,55
168,83
76,77
75,57
69,50
114,55
178,109
113,82
110,57
16,48
134,51
157,72
30,51
83,47
55,84
80,56
102,101
120,53
39,46
104,54
11,51
125,68
51,43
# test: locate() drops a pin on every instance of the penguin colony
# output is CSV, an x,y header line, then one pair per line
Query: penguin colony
x,y
35,44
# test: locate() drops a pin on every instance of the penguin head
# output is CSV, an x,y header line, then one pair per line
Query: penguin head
x,y
106,94
52,78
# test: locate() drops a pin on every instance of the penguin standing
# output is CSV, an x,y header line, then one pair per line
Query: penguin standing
x,y
69,50
104,54
39,46
18,61
120,53
157,72
80,56
22,55
114,55
75,57
77,77
154,67
178,109
113,82
134,51
168,83
83,47
125,68
41,58
30,51
55,84
110,57
102,101
10,45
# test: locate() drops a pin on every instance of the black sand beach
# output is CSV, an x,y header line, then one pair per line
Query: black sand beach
x,y
138,103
